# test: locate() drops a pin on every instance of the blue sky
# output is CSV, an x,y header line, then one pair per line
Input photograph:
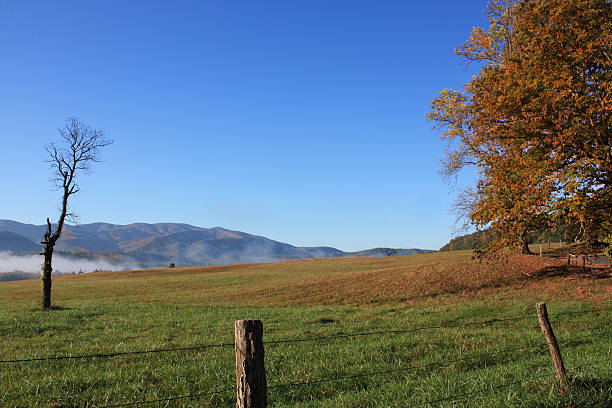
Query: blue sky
x,y
302,121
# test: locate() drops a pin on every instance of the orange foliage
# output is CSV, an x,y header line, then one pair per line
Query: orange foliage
x,y
536,119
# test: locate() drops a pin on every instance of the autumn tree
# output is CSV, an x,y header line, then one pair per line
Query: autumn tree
x,y
535,120
78,147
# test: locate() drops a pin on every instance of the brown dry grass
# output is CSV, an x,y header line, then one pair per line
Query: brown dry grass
x,y
411,279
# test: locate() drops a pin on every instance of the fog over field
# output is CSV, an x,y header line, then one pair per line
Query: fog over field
x,y
18,267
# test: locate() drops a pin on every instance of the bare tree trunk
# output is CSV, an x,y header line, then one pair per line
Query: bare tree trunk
x,y
46,276
526,249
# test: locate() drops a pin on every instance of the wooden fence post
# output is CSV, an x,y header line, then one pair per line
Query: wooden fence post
x,y
568,259
552,344
251,390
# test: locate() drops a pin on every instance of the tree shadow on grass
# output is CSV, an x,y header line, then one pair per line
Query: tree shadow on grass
x,y
569,271
588,392
582,392
591,383
53,308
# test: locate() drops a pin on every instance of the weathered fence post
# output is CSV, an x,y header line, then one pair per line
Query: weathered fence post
x,y
552,344
568,259
251,391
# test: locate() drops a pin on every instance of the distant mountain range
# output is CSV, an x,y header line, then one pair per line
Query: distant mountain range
x,y
10,241
151,245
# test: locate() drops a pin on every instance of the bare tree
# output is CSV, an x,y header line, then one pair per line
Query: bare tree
x,y
77,148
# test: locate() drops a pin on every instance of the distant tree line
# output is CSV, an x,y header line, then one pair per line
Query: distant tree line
x,y
480,239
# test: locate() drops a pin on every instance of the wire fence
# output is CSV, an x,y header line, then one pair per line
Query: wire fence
x,y
541,348
536,347
123,353
302,339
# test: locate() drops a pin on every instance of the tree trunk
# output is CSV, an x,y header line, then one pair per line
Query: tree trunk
x,y
48,244
45,277
526,249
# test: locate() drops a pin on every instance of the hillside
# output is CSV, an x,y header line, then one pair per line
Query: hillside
x,y
151,245
464,242
10,241
413,278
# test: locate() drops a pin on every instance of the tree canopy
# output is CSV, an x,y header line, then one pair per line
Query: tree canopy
x,y
535,120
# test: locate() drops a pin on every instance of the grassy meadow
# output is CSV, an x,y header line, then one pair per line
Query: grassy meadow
x,y
501,363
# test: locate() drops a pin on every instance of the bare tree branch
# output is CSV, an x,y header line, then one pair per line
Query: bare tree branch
x,y
78,147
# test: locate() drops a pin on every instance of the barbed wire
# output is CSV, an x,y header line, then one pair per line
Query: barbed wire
x,y
440,363
421,328
406,367
450,398
295,340
604,309
395,331
271,342
123,353
439,312
362,375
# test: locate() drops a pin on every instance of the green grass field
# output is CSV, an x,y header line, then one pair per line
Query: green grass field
x,y
499,363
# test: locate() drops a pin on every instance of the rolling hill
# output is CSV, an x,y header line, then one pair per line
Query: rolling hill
x,y
10,241
160,244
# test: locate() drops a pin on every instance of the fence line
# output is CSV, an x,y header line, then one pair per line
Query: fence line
x,y
581,311
593,333
543,346
416,329
422,328
371,374
331,379
296,340
271,342
403,368
412,330
250,363
123,353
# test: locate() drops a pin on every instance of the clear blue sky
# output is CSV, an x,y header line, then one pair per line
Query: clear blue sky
x,y
302,121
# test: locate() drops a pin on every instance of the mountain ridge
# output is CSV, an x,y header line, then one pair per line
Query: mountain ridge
x,y
11,241
183,244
